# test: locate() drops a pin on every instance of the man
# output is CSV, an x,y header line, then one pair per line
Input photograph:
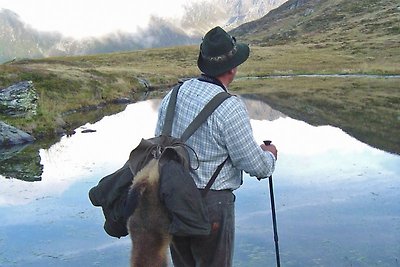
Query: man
x,y
227,134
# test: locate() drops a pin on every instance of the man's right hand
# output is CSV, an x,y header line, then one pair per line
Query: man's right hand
x,y
271,148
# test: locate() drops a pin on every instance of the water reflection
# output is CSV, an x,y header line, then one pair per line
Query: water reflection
x,y
74,158
22,161
337,198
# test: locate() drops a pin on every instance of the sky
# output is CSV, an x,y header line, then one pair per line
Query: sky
x,y
84,18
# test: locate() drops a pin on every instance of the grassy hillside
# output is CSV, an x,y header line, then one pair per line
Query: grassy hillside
x,y
74,83
353,24
365,29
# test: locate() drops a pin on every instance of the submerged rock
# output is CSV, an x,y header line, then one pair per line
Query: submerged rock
x,y
10,136
19,100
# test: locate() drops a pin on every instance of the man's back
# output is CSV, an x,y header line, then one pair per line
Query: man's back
x,y
226,133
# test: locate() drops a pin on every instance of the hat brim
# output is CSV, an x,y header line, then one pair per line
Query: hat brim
x,y
217,68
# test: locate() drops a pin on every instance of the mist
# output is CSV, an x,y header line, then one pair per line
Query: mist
x,y
92,18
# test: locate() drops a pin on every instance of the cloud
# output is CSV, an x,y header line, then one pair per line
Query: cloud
x,y
78,19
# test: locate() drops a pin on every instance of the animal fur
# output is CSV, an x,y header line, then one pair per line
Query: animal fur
x,y
149,223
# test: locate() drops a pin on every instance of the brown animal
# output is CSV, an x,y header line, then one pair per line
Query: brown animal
x,y
149,223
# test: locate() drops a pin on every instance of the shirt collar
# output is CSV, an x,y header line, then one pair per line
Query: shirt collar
x,y
209,79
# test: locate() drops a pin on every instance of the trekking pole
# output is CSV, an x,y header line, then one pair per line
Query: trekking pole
x,y
271,193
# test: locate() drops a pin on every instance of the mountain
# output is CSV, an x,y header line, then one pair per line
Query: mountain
x,y
19,40
353,24
201,16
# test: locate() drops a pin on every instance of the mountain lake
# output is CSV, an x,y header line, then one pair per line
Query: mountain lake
x,y
337,199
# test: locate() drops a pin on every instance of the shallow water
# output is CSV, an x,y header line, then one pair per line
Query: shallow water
x,y
337,199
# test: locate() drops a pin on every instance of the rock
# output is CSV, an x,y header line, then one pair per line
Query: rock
x,y
121,100
88,131
70,133
10,136
19,100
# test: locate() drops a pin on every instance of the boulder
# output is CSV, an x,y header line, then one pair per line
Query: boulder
x,y
19,100
10,136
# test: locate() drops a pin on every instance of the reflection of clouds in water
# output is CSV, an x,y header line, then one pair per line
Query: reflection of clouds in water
x,y
328,187
258,110
85,154
323,153
296,137
306,153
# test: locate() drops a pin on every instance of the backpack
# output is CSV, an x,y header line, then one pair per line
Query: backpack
x,y
177,189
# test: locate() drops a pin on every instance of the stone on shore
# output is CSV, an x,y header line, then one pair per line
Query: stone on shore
x,y
19,100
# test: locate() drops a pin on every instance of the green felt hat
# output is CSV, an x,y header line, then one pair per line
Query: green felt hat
x,y
219,52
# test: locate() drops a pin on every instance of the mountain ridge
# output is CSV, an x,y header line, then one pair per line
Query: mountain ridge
x,y
19,40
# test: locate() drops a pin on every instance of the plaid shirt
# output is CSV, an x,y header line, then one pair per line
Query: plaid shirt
x,y
227,132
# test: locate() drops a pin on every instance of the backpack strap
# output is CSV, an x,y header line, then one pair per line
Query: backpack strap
x,y
169,117
208,109
213,177
198,120
204,114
